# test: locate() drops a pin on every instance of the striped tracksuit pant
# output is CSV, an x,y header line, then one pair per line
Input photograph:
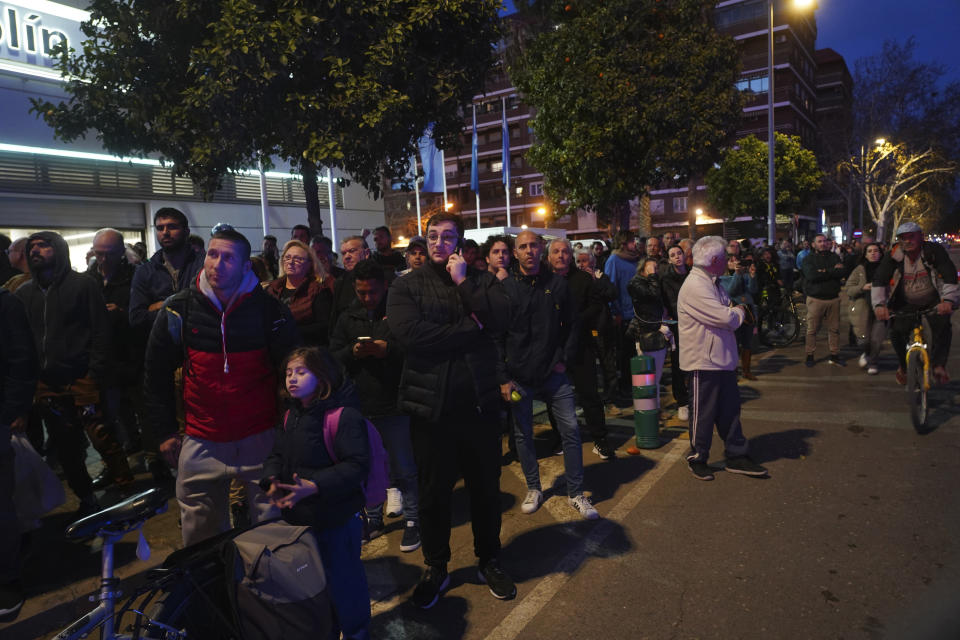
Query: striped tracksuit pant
x,y
714,401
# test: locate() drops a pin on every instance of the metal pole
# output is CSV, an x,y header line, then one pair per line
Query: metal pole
x,y
478,211
771,202
506,165
443,161
332,190
264,204
863,168
416,190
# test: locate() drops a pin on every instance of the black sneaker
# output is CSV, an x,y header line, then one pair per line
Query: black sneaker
x,y
604,450
434,582
372,529
701,471
11,600
411,537
837,361
501,586
810,361
745,466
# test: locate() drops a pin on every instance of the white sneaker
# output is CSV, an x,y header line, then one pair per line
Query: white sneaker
x,y
394,503
582,504
872,370
532,502
683,413
863,361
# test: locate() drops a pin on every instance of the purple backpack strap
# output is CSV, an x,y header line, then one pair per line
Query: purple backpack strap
x,y
331,422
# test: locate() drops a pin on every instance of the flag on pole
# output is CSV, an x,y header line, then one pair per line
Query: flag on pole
x,y
474,169
506,145
432,160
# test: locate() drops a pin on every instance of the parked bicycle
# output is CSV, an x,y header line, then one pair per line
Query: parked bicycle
x,y
179,599
779,321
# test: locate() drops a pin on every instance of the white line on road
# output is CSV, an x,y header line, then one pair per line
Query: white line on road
x,y
547,588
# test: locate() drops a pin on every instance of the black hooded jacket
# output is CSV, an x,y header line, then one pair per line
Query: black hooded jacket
x,y
18,364
69,320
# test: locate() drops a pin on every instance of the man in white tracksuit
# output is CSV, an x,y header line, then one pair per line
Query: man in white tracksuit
x,y
709,353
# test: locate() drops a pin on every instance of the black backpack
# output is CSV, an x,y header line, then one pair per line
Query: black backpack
x,y
276,584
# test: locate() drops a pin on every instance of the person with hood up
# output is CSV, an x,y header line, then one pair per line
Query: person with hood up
x,y
229,336
70,330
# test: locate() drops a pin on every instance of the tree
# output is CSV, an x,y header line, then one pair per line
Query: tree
x,y
893,179
628,94
216,86
738,187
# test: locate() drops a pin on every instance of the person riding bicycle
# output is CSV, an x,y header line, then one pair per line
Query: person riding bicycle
x,y
916,275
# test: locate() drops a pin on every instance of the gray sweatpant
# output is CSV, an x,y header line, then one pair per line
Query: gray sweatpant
x,y
204,472
714,402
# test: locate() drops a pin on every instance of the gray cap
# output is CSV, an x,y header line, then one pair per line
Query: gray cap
x,y
909,227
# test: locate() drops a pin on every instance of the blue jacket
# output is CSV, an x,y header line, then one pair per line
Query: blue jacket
x,y
620,271
740,287
152,283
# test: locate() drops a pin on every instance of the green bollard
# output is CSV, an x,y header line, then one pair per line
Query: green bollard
x,y
646,402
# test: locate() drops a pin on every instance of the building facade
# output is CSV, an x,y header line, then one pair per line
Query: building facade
x,y
76,188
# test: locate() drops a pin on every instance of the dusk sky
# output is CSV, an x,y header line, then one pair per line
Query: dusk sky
x,y
857,28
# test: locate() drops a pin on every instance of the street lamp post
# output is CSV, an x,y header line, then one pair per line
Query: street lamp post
x,y
771,201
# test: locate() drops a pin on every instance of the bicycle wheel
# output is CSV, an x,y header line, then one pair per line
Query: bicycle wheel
x,y
197,605
779,327
916,390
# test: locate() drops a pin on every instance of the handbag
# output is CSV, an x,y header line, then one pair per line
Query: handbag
x,y
37,490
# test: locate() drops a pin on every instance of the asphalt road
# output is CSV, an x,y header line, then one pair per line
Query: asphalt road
x,y
853,535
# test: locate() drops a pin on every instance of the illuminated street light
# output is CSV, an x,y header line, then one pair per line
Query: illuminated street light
x,y
542,211
447,206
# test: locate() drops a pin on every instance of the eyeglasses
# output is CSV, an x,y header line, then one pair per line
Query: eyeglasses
x,y
293,260
444,238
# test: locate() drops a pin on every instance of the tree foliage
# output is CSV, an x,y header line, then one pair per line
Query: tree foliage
x,y
738,187
896,182
214,86
628,94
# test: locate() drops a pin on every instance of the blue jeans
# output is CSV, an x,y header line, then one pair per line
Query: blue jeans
x,y
395,432
558,394
346,577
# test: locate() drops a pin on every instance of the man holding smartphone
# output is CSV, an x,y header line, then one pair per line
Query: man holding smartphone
x,y
445,316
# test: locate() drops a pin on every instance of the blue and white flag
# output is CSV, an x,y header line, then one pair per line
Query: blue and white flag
x,y
474,168
432,160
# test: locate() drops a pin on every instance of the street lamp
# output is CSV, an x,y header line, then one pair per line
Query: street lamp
x,y
771,196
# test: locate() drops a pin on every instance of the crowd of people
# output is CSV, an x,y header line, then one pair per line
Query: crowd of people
x,y
225,367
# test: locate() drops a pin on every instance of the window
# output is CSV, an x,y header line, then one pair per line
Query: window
x,y
496,166
656,207
536,188
755,84
679,205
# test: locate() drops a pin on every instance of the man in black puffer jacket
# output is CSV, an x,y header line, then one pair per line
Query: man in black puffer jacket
x,y
446,316
69,321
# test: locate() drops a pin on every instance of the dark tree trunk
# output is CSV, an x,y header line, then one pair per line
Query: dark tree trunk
x,y
312,195
621,216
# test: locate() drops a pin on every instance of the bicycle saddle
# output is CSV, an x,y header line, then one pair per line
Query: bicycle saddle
x,y
121,516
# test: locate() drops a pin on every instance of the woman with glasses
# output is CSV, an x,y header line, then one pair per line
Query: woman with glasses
x,y
307,289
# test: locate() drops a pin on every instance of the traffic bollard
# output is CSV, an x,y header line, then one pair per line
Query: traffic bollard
x,y
646,402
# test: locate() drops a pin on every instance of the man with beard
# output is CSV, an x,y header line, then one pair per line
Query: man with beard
x,y
385,255
69,321
446,317
621,266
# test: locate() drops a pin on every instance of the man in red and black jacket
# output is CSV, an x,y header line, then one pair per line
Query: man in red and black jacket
x,y
229,337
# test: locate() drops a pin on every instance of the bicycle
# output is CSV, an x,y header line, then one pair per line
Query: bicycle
x,y
918,369
187,582
779,321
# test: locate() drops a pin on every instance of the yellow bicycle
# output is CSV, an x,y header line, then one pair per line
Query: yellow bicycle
x,y
918,370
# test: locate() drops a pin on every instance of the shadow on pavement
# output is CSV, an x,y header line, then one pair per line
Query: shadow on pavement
x,y
789,444
445,620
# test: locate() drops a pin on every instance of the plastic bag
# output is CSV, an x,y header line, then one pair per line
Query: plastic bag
x,y
37,490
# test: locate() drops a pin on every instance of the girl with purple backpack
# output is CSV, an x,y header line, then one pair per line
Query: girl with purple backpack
x,y
320,488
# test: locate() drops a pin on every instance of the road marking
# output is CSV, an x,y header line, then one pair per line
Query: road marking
x,y
548,587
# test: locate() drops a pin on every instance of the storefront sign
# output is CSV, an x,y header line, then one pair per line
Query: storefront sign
x,y
30,30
